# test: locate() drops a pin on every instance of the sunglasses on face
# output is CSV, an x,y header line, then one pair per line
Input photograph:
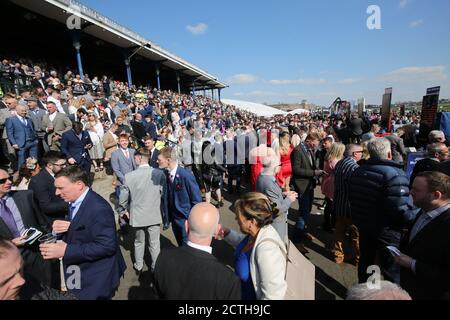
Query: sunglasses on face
x,y
2,181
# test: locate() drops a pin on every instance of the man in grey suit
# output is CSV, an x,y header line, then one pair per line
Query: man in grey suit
x,y
37,115
143,200
54,124
5,114
267,184
122,161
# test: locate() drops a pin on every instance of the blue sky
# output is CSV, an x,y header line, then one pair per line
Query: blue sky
x,y
285,51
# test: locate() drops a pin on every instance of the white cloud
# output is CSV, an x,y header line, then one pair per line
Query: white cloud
x,y
298,81
404,3
349,81
416,23
197,29
242,78
417,74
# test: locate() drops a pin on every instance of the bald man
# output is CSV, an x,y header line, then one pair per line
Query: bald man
x,y
22,135
191,272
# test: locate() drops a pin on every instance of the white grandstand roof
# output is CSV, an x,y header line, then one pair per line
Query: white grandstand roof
x,y
257,108
106,29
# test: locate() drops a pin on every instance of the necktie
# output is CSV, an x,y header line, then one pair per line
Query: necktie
x,y
71,211
8,218
24,121
171,178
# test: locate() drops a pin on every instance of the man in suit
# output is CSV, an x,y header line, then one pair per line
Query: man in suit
x,y
425,254
90,248
122,161
43,186
5,114
183,192
149,143
22,135
191,272
37,115
138,129
305,175
55,124
42,101
144,191
19,211
38,83
437,154
75,144
266,183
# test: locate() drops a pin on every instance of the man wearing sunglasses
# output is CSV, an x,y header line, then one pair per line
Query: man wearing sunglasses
x,y
43,186
18,212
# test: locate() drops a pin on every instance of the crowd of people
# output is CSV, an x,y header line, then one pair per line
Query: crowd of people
x,y
170,156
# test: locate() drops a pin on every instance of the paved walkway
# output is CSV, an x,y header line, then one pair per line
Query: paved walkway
x,y
332,280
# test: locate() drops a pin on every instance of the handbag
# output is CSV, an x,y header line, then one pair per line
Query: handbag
x,y
300,273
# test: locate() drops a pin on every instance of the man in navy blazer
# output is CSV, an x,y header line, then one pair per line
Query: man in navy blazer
x,y
75,144
154,153
93,263
21,135
183,192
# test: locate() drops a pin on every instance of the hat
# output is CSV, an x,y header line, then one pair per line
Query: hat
x,y
31,98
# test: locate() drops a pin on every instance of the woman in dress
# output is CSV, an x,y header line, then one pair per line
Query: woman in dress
x,y
29,169
96,133
285,150
333,156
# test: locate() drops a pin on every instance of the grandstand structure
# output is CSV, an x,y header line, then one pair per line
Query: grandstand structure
x,y
39,30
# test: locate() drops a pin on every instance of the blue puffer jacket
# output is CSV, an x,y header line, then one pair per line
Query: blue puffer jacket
x,y
378,193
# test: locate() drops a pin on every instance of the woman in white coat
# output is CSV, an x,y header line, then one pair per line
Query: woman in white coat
x,y
260,262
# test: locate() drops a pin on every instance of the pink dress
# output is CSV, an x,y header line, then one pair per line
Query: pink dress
x,y
327,185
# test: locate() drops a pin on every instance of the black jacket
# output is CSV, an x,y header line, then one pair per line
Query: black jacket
x,y
52,206
431,250
378,194
34,265
302,168
186,273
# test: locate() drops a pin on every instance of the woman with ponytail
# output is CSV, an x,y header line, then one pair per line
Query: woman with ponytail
x,y
259,260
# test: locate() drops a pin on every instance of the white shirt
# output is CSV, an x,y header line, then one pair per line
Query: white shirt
x,y
173,172
22,119
52,116
207,249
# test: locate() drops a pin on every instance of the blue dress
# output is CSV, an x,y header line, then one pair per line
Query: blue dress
x,y
242,270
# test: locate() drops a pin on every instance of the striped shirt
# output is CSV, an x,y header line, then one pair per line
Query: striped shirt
x,y
343,171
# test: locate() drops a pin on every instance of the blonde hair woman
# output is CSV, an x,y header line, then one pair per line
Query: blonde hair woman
x,y
260,262
96,133
332,157
285,149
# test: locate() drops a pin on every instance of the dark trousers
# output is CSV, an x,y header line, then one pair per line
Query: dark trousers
x,y
328,214
179,231
374,252
305,202
234,173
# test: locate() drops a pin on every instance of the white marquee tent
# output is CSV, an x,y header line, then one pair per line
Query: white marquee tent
x,y
259,109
